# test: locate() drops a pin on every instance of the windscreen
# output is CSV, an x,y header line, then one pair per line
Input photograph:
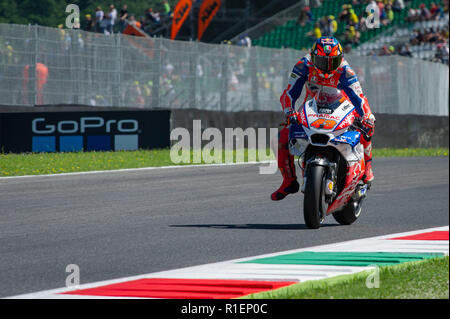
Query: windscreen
x,y
329,98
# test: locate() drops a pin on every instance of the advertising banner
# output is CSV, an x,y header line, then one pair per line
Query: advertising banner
x,y
180,15
208,10
84,131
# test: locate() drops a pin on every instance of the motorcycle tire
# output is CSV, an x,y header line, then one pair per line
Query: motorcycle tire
x,y
314,205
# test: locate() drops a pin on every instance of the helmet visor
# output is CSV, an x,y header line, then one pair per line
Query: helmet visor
x,y
327,64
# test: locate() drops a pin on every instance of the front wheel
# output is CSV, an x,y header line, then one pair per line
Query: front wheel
x,y
314,204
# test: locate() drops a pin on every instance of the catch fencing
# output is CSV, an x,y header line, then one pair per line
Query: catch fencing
x,y
47,66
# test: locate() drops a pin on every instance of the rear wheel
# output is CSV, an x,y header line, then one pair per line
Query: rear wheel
x,y
349,214
314,204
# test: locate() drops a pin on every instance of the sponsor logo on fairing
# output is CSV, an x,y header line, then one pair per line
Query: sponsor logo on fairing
x,y
326,116
325,110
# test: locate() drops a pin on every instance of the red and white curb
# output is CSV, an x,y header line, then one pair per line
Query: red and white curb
x,y
240,277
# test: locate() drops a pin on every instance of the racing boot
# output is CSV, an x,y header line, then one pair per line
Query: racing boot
x,y
290,185
287,169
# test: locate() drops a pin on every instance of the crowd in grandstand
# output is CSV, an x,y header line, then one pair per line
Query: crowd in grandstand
x,y
113,21
425,37
352,25
433,39
422,13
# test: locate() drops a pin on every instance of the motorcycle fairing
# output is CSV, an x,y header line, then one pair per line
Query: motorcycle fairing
x,y
350,137
354,174
298,140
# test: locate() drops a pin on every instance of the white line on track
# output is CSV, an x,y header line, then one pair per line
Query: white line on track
x,y
138,169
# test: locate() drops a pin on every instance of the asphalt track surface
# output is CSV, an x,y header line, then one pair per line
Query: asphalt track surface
x,y
120,224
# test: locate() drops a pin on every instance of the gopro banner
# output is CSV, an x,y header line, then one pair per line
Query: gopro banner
x,y
84,131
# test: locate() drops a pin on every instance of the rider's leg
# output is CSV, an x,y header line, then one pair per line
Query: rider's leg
x,y
366,141
368,175
286,166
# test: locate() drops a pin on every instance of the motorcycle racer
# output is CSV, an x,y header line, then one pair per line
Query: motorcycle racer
x,y
323,70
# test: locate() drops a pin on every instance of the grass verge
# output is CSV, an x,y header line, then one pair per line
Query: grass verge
x,y
425,279
54,163
409,152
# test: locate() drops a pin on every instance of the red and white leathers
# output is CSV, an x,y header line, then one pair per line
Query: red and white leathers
x,y
342,81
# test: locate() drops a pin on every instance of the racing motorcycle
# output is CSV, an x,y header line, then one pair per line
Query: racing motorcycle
x,y
327,141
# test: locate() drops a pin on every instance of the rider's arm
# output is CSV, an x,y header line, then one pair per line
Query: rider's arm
x,y
294,89
349,83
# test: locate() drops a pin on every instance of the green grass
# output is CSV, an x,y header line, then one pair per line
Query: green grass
x,y
427,279
409,152
54,163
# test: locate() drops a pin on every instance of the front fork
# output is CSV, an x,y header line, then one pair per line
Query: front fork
x,y
330,171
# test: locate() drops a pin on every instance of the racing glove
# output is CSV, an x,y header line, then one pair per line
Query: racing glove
x,y
292,117
368,124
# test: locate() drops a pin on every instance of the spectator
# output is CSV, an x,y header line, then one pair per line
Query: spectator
x,y
149,20
442,53
136,95
445,33
112,17
99,15
405,51
353,18
156,18
103,25
316,31
123,16
383,14
132,20
333,25
424,12
345,14
413,15
167,10
245,41
41,80
89,24
351,36
433,8
433,36
324,26
398,5
305,16
380,5
385,50
389,13
436,11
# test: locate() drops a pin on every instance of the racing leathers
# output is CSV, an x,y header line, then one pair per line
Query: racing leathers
x,y
342,81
